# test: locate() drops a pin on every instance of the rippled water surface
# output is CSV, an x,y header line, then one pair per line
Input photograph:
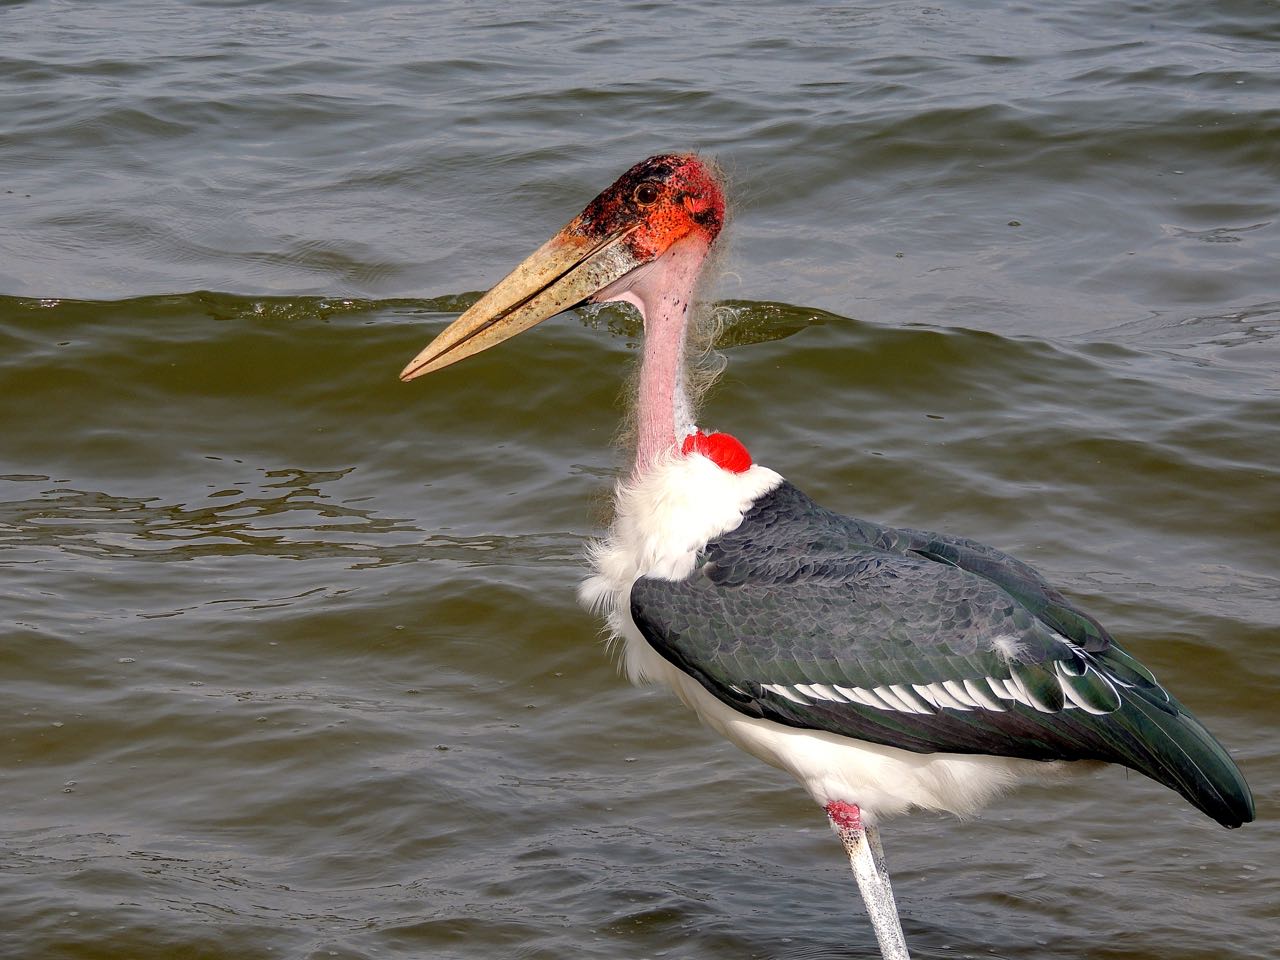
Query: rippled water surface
x,y
292,665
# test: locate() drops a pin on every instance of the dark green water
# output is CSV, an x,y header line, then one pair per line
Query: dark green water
x,y
292,665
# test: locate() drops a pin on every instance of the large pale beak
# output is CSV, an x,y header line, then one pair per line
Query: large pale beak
x,y
566,270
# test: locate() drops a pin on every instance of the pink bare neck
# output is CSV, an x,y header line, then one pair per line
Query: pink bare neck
x,y
662,291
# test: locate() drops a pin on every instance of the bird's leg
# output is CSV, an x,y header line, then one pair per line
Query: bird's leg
x,y
866,856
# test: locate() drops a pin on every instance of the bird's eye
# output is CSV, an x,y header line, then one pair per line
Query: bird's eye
x,y
646,194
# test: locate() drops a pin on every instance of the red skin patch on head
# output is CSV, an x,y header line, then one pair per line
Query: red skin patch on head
x,y
663,199
696,205
725,451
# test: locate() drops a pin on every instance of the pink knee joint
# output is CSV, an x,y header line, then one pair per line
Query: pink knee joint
x,y
845,815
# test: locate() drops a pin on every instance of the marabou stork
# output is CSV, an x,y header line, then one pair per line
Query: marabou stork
x,y
884,668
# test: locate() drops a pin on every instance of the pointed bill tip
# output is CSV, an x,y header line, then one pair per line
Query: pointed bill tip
x,y
440,352
415,367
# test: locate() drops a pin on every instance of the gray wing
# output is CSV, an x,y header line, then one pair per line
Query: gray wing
x,y
917,641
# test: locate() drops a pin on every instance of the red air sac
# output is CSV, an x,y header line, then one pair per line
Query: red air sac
x,y
725,451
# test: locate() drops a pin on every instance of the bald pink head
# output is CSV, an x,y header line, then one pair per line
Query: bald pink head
x,y
643,240
665,199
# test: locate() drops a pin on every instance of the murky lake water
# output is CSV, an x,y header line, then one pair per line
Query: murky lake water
x,y
292,665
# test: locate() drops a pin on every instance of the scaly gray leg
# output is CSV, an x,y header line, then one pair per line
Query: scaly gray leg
x,y
866,856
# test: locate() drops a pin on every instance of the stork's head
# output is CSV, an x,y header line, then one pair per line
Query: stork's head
x,y
660,216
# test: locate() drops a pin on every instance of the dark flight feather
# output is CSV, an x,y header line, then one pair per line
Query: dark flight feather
x,y
924,642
